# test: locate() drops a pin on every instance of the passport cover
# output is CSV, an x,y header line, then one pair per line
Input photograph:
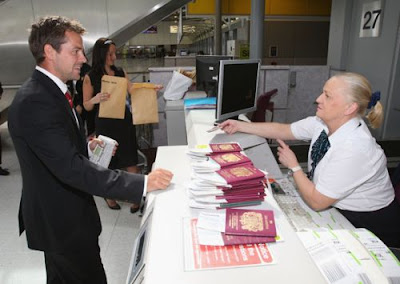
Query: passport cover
x,y
250,222
230,159
241,174
225,147
235,189
243,240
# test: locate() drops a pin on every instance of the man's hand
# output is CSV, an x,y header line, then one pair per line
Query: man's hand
x,y
158,179
96,141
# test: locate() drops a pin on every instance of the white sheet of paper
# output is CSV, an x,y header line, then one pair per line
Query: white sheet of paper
x,y
213,221
209,238
207,199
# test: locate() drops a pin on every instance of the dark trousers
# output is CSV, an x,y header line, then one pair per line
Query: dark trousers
x,y
384,223
75,267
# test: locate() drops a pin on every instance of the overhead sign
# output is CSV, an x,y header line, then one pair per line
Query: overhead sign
x,y
371,19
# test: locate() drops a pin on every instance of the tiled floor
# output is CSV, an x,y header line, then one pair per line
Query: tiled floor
x,y
18,264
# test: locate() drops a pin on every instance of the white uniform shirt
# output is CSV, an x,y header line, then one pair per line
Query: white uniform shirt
x,y
353,170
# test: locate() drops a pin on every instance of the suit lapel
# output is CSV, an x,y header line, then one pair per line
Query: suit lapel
x,y
54,91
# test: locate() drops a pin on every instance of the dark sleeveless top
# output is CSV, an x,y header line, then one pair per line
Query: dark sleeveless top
x,y
121,130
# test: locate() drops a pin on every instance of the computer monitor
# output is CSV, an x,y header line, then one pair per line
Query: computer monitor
x,y
237,88
207,68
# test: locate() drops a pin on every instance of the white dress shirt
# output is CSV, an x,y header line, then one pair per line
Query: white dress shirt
x,y
63,87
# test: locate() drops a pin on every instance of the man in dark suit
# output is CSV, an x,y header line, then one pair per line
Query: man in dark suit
x,y
57,208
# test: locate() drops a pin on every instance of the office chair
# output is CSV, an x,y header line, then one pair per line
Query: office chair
x,y
263,104
144,134
142,163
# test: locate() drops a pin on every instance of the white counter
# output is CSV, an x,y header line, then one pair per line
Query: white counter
x,y
165,250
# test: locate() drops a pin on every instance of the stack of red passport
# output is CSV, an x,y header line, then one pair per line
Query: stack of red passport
x,y
223,180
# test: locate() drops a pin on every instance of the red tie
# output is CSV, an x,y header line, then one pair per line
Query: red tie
x,y
69,98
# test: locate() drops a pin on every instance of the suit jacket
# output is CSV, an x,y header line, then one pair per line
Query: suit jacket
x,y
57,208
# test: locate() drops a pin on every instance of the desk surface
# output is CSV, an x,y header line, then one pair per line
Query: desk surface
x,y
165,252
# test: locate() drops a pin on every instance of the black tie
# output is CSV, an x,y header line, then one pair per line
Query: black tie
x,y
318,151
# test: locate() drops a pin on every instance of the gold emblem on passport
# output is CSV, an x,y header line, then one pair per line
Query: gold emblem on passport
x,y
252,221
230,158
241,172
226,147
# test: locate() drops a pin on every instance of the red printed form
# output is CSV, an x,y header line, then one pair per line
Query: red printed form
x,y
212,257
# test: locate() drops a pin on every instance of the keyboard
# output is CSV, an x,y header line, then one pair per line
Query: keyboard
x,y
287,200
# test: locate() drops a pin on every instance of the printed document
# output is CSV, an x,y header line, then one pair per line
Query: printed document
x,y
102,154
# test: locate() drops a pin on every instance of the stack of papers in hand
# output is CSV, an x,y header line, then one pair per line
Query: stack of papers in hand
x,y
236,226
224,177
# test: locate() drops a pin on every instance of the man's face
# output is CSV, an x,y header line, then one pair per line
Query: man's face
x,y
68,61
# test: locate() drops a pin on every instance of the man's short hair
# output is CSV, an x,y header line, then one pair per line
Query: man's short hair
x,y
51,30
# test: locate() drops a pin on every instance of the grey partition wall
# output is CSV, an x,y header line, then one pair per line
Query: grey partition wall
x,y
298,87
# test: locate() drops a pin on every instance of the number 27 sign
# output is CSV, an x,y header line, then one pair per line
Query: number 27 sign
x,y
371,19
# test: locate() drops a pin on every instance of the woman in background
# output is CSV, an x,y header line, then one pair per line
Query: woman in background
x,y
121,130
88,117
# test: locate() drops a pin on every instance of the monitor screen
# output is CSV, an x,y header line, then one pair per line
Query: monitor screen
x,y
237,88
207,69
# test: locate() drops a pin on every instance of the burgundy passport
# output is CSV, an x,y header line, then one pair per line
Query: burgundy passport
x,y
240,174
250,222
243,240
229,159
225,147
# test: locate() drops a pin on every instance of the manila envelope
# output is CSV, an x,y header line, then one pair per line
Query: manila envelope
x,y
114,107
144,103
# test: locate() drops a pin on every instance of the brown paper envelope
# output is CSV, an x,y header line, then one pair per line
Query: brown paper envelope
x,y
114,107
144,103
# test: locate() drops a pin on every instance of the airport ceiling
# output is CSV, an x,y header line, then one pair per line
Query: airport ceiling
x,y
196,27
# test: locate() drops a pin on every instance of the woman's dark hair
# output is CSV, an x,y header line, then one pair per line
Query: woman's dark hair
x,y
99,56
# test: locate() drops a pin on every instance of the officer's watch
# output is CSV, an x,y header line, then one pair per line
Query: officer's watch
x,y
293,170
